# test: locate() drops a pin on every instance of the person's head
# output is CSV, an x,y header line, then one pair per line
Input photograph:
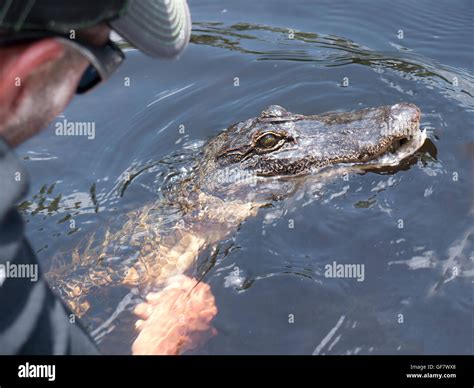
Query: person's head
x,y
46,56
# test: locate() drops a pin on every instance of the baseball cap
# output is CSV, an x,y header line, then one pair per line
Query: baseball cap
x,y
159,28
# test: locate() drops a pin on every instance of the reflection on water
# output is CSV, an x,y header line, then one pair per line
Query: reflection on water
x,y
410,226
457,84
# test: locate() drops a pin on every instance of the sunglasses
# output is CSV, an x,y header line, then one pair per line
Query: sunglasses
x,y
104,60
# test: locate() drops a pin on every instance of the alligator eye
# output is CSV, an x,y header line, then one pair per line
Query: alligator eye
x,y
267,141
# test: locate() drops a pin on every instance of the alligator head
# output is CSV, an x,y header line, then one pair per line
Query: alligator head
x,y
280,144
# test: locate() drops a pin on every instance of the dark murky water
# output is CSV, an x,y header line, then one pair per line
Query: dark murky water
x,y
298,55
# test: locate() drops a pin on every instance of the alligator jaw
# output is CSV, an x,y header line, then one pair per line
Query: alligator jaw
x,y
399,150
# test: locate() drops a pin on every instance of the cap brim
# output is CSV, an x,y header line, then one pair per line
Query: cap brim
x,y
159,28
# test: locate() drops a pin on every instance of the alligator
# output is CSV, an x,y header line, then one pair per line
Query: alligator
x,y
245,167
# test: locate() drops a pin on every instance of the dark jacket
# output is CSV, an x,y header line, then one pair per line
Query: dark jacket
x,y
32,318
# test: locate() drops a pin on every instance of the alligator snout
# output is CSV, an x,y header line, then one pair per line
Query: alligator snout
x,y
407,108
404,120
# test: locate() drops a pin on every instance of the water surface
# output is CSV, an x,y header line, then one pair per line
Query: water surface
x,y
268,278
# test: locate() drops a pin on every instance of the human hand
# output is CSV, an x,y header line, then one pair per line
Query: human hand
x,y
175,319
